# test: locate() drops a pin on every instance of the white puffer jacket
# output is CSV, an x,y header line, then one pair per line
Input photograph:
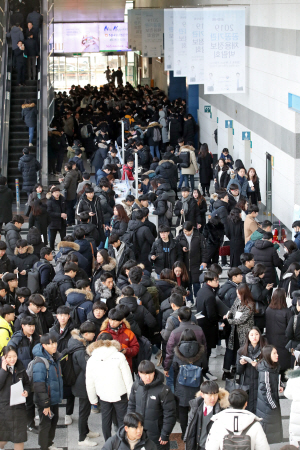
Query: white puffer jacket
x,y
108,374
292,392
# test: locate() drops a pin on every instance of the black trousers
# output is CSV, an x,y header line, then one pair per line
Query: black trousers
x,y
59,160
30,410
70,405
21,73
47,427
70,211
52,235
205,187
84,413
107,409
183,412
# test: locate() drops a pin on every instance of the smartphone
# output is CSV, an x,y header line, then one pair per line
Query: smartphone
x,y
50,415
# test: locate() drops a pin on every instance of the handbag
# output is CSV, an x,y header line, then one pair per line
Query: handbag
x,y
190,375
179,228
27,210
224,250
231,385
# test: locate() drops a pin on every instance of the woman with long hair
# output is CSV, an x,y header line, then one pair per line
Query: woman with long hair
x,y
242,204
290,279
188,351
253,180
40,219
119,221
38,193
202,206
261,293
247,371
292,254
104,263
205,161
180,274
234,230
268,406
165,283
277,319
221,175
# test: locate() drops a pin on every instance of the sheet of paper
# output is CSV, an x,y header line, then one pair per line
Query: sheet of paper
x,y
297,354
246,358
199,315
238,314
16,391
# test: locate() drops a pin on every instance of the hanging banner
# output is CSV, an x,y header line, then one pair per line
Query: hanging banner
x,y
136,29
152,32
129,27
179,50
168,39
195,51
224,50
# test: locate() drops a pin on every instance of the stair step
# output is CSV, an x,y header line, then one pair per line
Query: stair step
x,y
18,134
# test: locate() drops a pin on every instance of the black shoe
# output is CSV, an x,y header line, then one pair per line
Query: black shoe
x,y
227,375
33,429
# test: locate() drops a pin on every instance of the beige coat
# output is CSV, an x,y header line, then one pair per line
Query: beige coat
x,y
250,225
193,166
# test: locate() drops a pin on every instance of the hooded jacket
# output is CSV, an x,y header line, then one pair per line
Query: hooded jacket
x,y
55,208
265,253
24,346
230,418
175,254
120,442
24,261
103,292
78,345
168,170
66,247
108,374
99,270
6,199
125,337
144,239
29,113
290,258
292,392
12,235
156,403
28,166
16,35
289,283
81,299
141,314
91,232
150,133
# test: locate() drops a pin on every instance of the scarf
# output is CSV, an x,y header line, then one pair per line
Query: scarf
x,y
185,205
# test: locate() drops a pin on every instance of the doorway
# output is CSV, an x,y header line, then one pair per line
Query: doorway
x,y
269,185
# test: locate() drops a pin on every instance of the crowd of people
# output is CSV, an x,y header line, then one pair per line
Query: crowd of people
x,y
83,316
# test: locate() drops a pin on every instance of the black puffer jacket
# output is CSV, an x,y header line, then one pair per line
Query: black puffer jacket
x,y
188,353
119,227
55,208
107,209
265,253
214,234
293,331
188,131
175,254
206,303
120,442
91,232
276,323
161,208
12,235
77,345
165,311
29,112
193,214
290,258
24,346
34,238
165,287
99,156
28,166
6,199
5,264
249,375
268,407
64,283
261,296
168,170
156,403
196,255
141,315
85,205
13,418
289,283
22,262
145,240
175,131
221,209
141,292
227,293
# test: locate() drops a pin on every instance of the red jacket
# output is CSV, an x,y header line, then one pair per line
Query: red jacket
x,y
128,170
125,337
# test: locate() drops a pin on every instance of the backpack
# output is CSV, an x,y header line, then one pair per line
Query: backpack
x,y
215,211
233,441
145,352
85,133
74,315
153,291
60,262
53,296
130,238
169,212
67,368
126,124
32,363
34,278
186,160
249,246
156,134
190,375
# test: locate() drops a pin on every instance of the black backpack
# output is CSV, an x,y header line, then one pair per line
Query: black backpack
x,y
34,278
185,160
67,368
53,296
130,238
241,441
145,352
74,315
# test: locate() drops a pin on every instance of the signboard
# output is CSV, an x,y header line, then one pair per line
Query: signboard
x,y
195,39
224,50
168,39
135,40
113,36
207,109
246,135
179,50
80,37
228,123
152,32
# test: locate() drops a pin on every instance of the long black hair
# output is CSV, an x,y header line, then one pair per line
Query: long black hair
x,y
262,342
235,215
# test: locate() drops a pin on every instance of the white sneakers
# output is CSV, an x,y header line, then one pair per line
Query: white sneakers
x,y
54,448
87,443
68,420
30,145
93,434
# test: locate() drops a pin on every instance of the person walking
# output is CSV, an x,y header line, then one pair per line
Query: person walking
x,y
28,166
32,52
56,207
205,161
234,229
189,166
6,201
29,116
40,219
20,61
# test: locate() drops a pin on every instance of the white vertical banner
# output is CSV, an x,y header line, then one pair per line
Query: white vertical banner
x,y
168,39
195,51
136,29
180,53
152,32
224,50
130,17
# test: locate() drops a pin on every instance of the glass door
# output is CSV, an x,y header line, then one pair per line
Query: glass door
x,y
269,185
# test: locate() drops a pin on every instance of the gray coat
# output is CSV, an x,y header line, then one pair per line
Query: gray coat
x,y
16,35
164,123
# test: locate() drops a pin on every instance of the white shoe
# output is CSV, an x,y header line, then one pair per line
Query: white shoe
x,y
54,448
210,377
189,304
87,443
68,420
93,434
30,145
220,350
213,353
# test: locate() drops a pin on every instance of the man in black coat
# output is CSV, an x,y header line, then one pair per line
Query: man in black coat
x,y
149,224
141,315
12,232
6,201
65,280
32,51
69,186
187,209
188,129
175,129
194,253
120,251
28,166
37,309
265,253
5,265
167,169
221,207
20,63
56,207
151,398
165,250
140,291
144,238
23,260
207,306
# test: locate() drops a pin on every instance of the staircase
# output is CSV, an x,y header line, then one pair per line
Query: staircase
x,y
18,132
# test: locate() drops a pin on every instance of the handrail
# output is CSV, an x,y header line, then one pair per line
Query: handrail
x,y
5,93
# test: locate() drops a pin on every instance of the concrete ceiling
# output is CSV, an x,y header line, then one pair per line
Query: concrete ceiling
x,y
89,10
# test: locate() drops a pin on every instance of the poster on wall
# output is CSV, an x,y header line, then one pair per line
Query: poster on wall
x,y
179,49
224,50
135,24
195,51
113,36
152,32
168,39
80,37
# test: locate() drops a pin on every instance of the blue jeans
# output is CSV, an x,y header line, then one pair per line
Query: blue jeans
x,y
31,132
155,149
185,178
170,379
193,287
